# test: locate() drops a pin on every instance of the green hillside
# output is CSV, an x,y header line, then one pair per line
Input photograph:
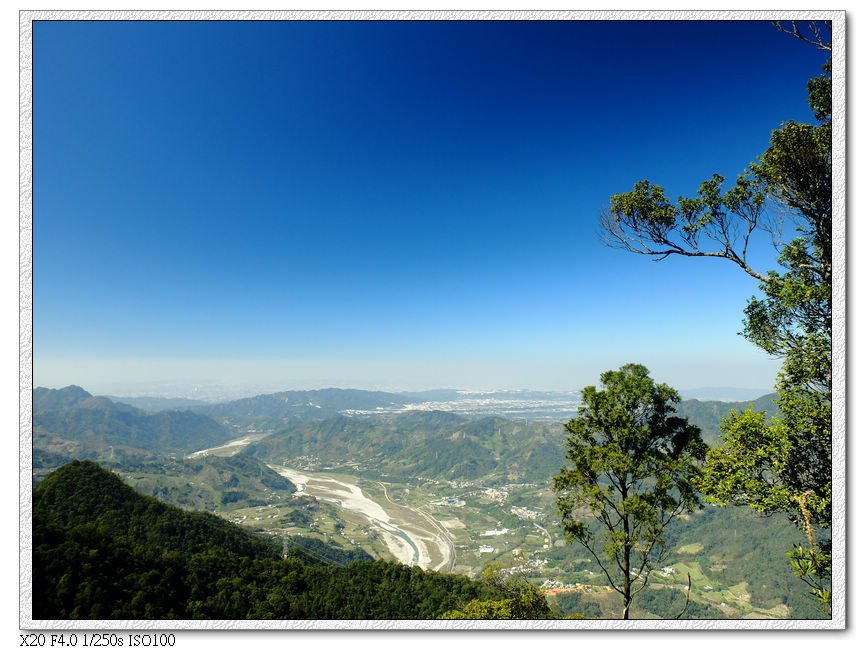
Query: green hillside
x,y
156,404
708,414
211,483
103,551
737,559
57,399
72,420
441,445
277,410
432,444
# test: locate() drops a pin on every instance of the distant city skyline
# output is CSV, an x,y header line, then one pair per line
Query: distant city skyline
x,y
399,206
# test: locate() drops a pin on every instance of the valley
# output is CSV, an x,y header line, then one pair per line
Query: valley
x,y
410,536
464,526
438,491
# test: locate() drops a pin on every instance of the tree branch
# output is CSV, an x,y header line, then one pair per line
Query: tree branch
x,y
815,38
687,599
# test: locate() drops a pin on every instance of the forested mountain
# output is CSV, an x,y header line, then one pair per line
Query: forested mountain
x,y
103,551
278,409
105,546
57,399
71,420
71,423
156,404
708,415
433,444
83,493
437,444
210,483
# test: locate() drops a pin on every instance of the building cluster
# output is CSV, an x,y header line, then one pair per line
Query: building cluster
x,y
451,502
496,495
495,533
526,513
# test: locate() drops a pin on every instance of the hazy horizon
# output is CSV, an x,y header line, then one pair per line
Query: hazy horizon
x,y
389,205
208,389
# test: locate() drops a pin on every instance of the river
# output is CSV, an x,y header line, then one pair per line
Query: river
x,y
412,537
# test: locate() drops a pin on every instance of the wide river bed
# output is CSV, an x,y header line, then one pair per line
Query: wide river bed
x,y
412,537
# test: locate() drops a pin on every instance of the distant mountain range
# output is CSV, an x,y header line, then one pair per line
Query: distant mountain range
x,y
70,418
156,404
70,423
272,410
724,394
280,409
157,424
708,415
371,429
432,444
367,433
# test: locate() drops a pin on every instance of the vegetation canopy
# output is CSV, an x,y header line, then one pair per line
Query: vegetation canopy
x,y
780,464
103,551
631,462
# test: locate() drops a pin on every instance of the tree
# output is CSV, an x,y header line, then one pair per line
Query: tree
x,y
520,599
631,463
781,464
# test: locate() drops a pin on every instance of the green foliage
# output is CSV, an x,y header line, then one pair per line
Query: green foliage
x,y
751,450
102,551
669,603
631,466
432,444
233,496
789,469
482,610
740,545
820,94
708,415
82,493
278,410
516,599
776,465
574,605
81,420
715,223
782,464
310,548
812,566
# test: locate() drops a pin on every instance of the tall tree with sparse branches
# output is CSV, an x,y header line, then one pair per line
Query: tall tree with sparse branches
x,y
631,465
781,464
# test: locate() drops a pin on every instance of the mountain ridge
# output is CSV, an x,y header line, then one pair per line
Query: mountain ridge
x,y
72,417
103,551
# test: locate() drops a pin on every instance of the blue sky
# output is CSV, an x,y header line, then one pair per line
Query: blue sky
x,y
389,205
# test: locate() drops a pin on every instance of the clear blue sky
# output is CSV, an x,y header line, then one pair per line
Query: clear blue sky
x,y
390,205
